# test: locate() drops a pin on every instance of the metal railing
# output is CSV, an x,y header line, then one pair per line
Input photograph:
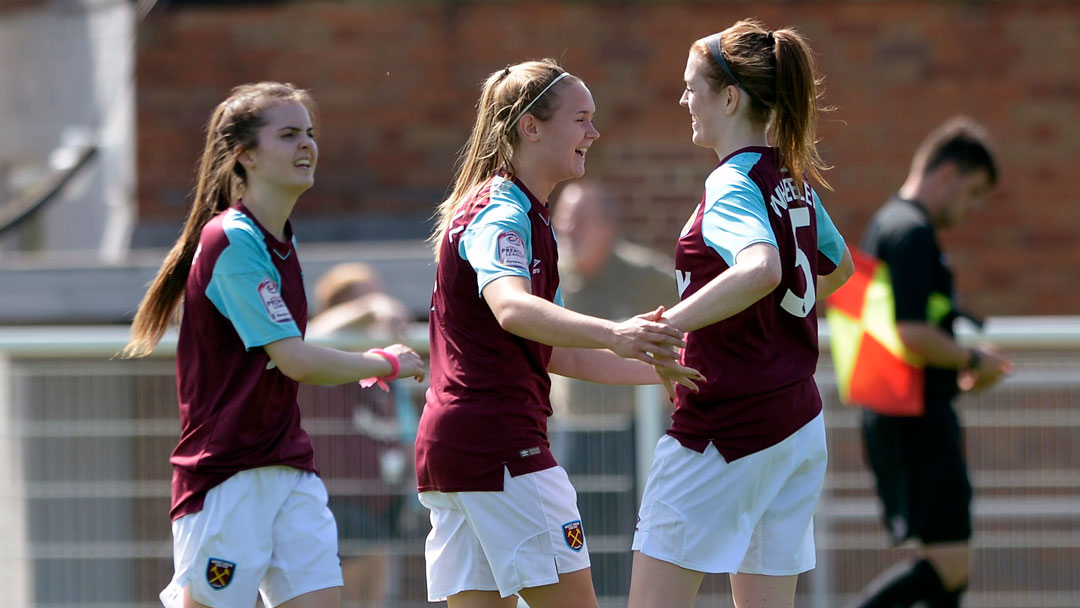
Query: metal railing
x,y
84,477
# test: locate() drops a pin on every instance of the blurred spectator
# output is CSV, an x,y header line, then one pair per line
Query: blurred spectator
x,y
365,453
352,296
603,275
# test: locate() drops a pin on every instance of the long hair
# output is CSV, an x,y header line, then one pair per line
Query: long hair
x,y
777,70
505,95
220,183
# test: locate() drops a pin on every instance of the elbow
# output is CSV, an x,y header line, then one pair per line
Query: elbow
x,y
295,371
911,335
845,271
513,321
295,368
768,278
509,316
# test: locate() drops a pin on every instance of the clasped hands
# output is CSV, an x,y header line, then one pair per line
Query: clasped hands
x,y
652,339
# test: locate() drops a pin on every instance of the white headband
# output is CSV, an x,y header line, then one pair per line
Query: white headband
x,y
530,105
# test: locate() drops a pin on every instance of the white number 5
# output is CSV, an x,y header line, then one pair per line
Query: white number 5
x,y
800,307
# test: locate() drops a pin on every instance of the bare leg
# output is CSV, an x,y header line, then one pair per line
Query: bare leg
x,y
323,598
573,589
952,561
480,599
761,591
659,584
366,578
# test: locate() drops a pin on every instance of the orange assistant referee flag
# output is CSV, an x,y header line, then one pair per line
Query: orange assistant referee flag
x,y
873,369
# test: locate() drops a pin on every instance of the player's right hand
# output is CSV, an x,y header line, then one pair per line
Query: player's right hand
x,y
648,338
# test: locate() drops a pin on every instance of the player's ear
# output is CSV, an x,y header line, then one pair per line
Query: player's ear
x,y
732,96
529,127
243,156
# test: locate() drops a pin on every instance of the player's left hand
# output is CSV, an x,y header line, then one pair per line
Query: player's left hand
x,y
672,372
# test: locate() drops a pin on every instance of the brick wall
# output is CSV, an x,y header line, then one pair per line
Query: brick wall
x,y
397,88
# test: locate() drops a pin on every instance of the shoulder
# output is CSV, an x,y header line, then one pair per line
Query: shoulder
x,y
237,228
506,198
238,239
900,218
899,228
502,208
733,178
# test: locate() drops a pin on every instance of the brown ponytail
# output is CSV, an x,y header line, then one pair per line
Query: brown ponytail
x,y
220,182
776,69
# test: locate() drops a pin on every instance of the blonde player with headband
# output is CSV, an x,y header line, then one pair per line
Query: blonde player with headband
x,y
504,515
735,479
249,510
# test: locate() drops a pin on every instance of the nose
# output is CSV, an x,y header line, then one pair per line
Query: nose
x,y
592,133
684,99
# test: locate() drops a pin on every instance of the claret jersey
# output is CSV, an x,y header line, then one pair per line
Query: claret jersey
x,y
237,411
759,364
487,406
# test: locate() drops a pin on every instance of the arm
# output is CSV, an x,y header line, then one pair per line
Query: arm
x,y
313,364
600,365
939,349
827,284
755,274
605,367
534,318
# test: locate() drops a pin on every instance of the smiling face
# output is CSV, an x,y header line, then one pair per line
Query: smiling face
x,y
285,153
704,105
564,139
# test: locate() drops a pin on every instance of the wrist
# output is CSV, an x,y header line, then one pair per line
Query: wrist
x,y
974,358
391,358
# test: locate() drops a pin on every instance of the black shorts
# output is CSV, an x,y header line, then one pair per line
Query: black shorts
x,y
921,475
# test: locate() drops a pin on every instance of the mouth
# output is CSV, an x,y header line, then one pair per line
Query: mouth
x,y
581,152
303,163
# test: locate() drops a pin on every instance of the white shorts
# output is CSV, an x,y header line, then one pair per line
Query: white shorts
x,y
264,530
754,515
524,536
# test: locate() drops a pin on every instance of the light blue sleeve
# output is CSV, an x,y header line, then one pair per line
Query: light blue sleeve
x,y
830,243
736,216
498,241
245,288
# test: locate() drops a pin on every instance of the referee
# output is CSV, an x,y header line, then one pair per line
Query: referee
x,y
918,462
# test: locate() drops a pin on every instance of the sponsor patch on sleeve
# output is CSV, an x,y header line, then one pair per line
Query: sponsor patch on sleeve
x,y
512,251
271,299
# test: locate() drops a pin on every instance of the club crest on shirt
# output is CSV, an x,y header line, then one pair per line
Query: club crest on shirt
x,y
271,299
219,572
574,535
511,250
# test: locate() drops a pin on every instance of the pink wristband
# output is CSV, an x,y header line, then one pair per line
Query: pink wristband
x,y
383,381
391,358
